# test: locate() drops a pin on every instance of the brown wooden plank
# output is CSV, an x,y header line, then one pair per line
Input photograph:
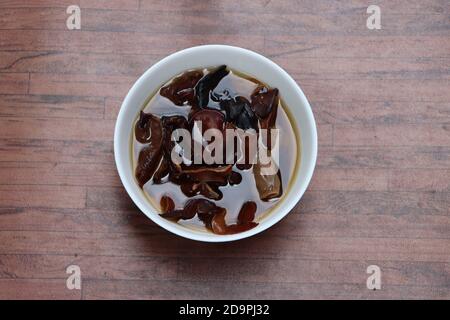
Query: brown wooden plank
x,y
98,289
251,6
208,270
364,91
365,68
14,83
423,180
381,112
116,42
56,129
268,245
47,173
259,6
349,179
41,150
325,134
91,267
299,67
51,106
86,243
318,272
112,108
344,223
108,198
83,85
76,220
109,4
326,247
30,289
220,22
41,196
387,157
292,47
392,135
78,63
376,203
384,225
378,179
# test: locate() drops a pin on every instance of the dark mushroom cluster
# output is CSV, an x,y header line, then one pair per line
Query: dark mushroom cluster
x,y
210,214
195,89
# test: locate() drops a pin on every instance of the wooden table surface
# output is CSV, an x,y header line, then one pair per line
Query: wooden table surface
x,y
380,194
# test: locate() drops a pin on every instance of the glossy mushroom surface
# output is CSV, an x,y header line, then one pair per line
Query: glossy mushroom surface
x,y
224,198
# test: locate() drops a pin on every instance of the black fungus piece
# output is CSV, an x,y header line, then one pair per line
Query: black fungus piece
x,y
210,191
244,166
148,160
207,84
247,119
171,123
181,89
189,188
233,107
202,207
204,180
244,223
265,105
263,100
211,215
215,174
166,204
239,112
174,122
268,186
247,212
146,125
176,215
234,178
210,119
150,133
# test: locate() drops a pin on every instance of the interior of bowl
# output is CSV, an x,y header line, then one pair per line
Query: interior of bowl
x,y
249,63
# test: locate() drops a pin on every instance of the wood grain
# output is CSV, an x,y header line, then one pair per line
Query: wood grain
x,y
380,193
205,21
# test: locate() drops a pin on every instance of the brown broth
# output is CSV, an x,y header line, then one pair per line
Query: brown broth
x,y
233,196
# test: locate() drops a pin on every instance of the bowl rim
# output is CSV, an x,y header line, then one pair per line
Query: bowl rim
x,y
139,198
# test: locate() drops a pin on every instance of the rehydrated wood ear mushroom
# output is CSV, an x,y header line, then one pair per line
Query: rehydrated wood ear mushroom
x,y
240,113
147,125
204,180
169,124
202,207
210,214
207,84
263,100
181,89
244,223
209,190
269,186
209,118
216,174
148,130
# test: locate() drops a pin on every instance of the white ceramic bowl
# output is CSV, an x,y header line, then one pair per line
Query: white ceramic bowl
x,y
250,63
